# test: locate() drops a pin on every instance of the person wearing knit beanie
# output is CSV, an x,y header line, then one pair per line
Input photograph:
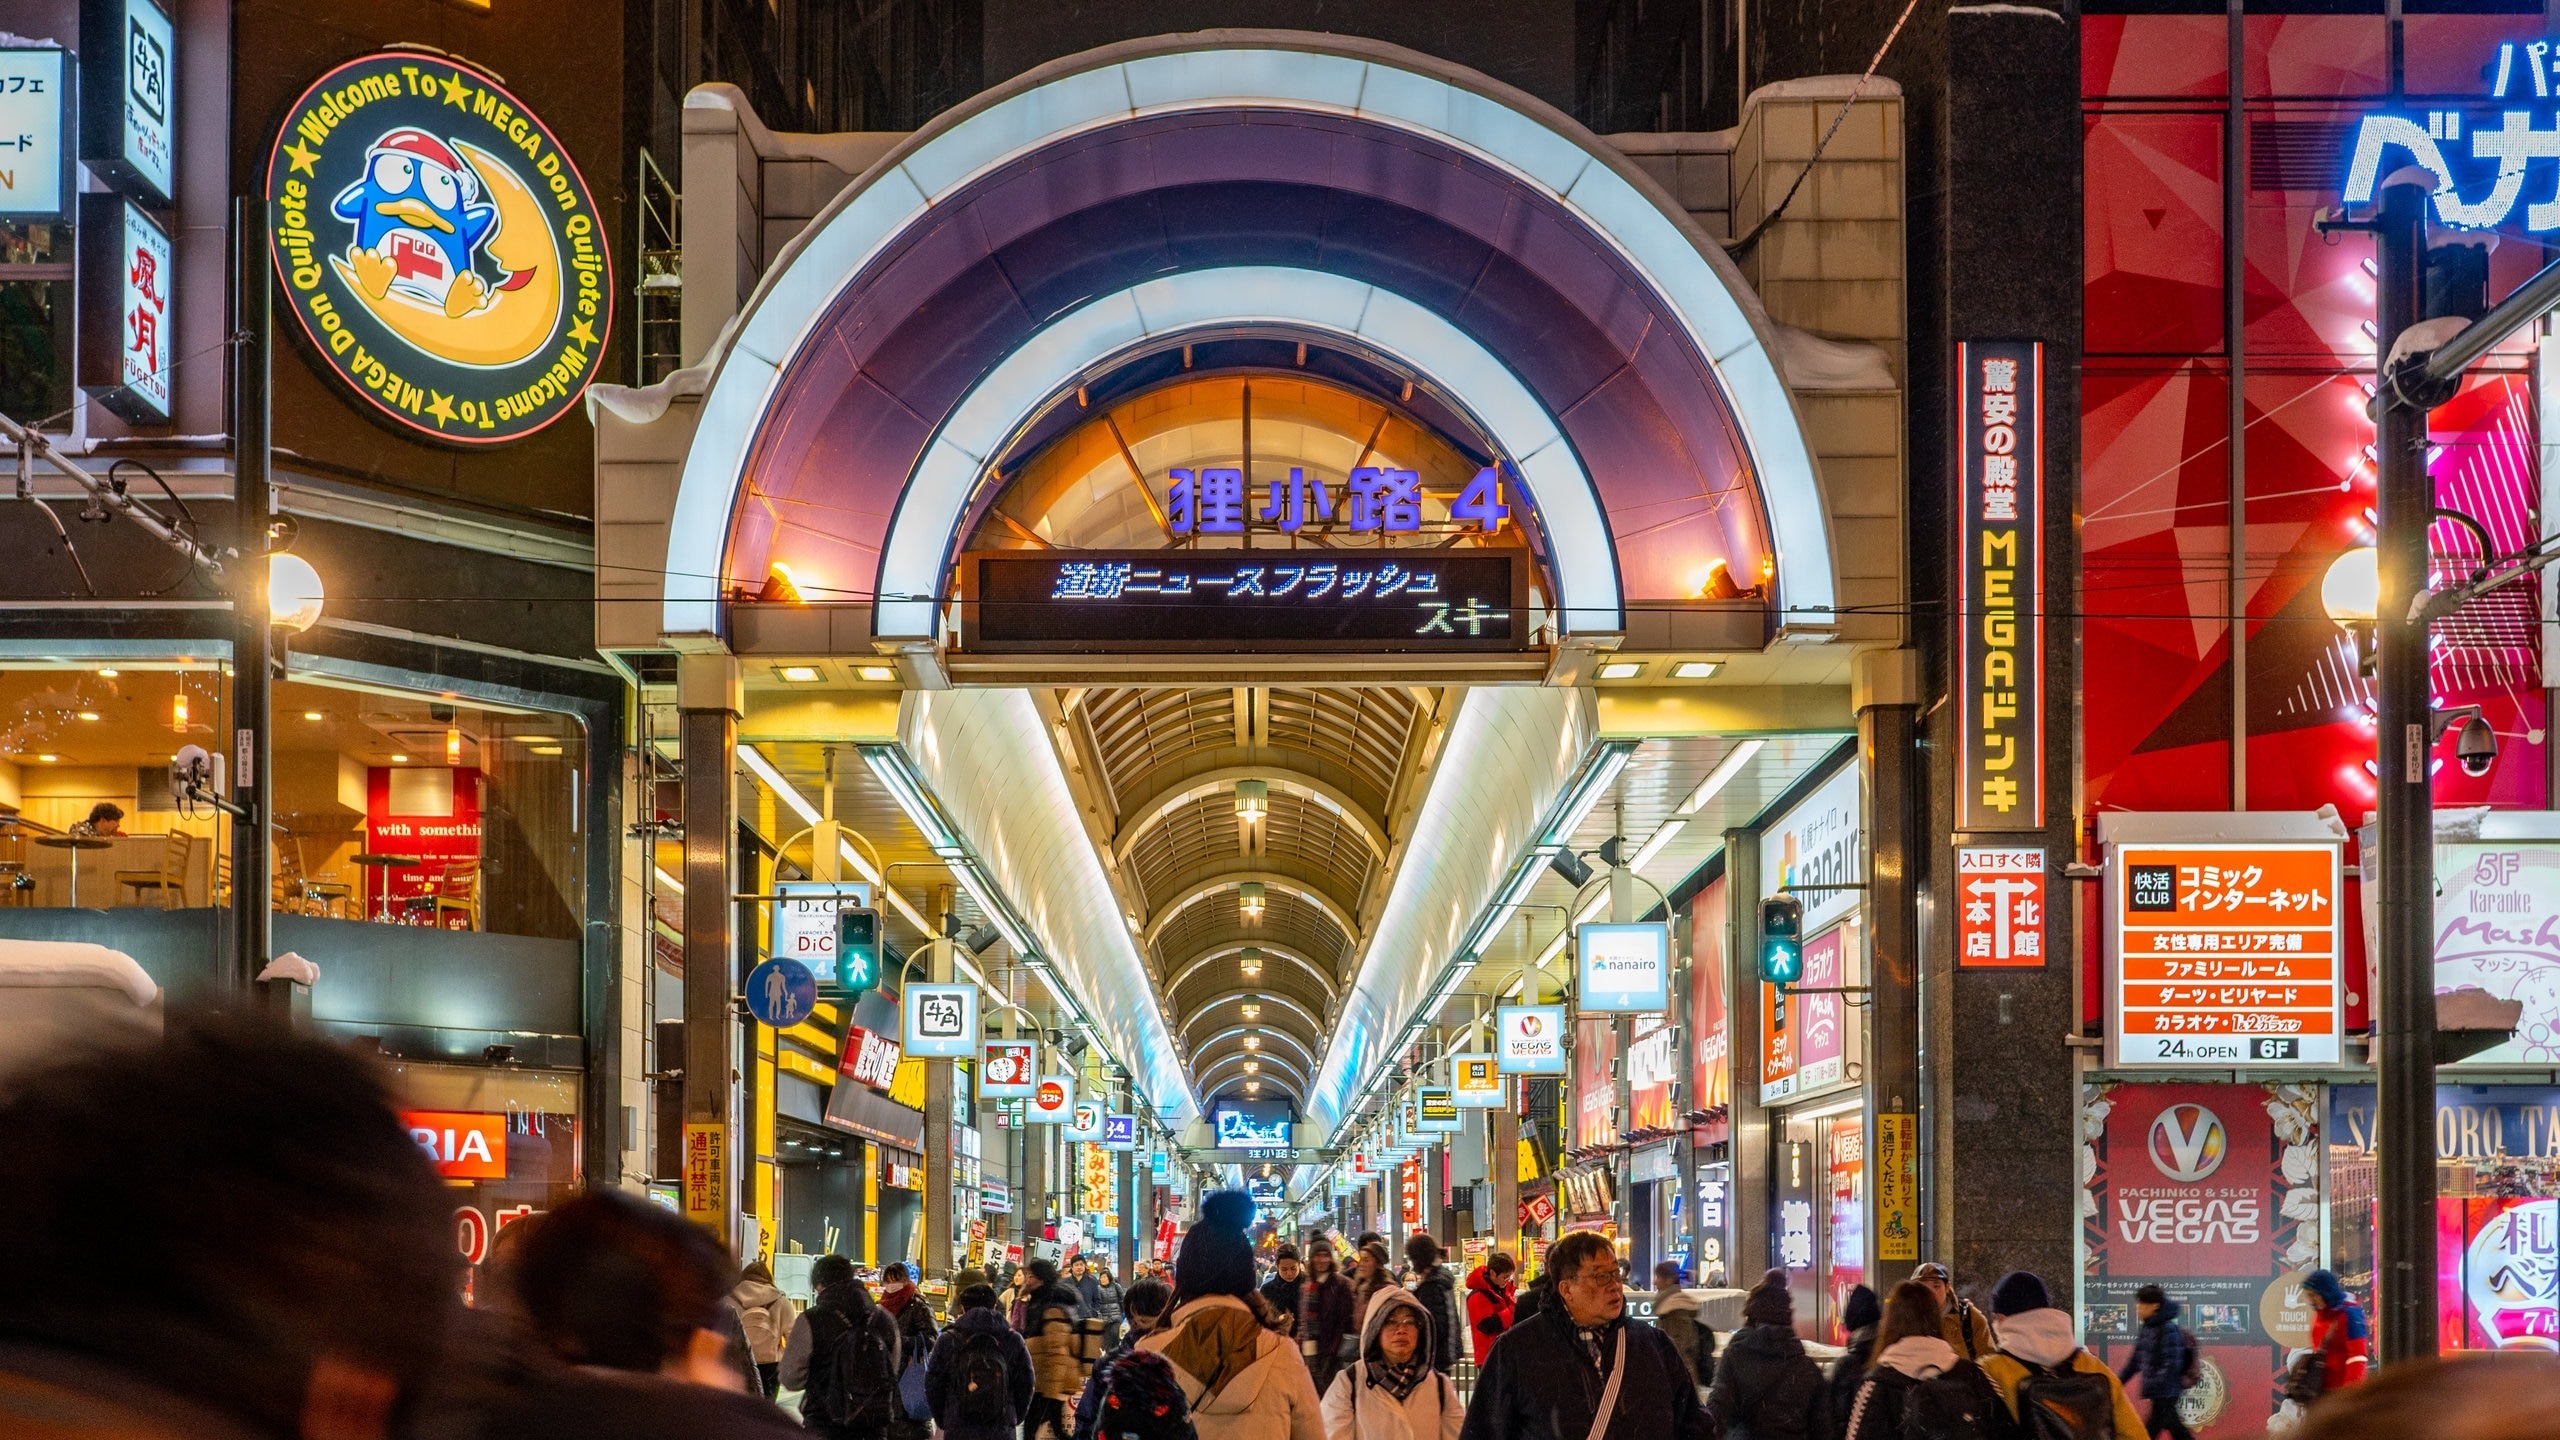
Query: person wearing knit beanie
x,y
1770,1302
1243,1382
2034,1338
1766,1386
1217,1258
2018,1292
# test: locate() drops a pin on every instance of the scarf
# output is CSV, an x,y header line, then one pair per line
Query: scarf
x,y
1399,1380
894,1299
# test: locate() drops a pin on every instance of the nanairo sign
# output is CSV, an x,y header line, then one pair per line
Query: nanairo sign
x,y
439,248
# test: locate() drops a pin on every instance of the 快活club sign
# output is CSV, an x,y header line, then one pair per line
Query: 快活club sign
x,y
439,248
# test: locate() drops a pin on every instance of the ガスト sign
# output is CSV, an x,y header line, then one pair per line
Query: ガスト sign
x,y
439,249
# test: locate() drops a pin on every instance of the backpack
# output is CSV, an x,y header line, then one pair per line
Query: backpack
x,y
1142,1399
2066,1404
1957,1405
2191,1367
859,1382
2306,1377
981,1395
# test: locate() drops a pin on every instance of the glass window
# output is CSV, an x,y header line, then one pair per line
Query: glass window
x,y
35,322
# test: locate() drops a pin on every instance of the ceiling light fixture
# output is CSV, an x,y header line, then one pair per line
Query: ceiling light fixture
x,y
1669,832
799,674
1253,1067
313,715
1621,670
178,711
399,759
107,674
89,715
1249,900
1252,1008
1253,1042
1696,669
1251,963
48,759
452,745
1253,800
1721,776
876,672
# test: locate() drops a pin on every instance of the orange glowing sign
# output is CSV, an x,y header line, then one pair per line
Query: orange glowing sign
x,y
2225,954
462,1145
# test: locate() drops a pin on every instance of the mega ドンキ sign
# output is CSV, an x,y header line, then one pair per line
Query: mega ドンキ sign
x,y
439,248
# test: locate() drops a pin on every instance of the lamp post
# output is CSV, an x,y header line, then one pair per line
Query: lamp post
x,y
253,638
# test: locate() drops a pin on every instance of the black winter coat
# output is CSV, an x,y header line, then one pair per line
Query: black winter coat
x,y
2159,1355
1326,1313
1767,1388
1889,1395
1438,1293
1283,1295
940,1378
1848,1372
1538,1383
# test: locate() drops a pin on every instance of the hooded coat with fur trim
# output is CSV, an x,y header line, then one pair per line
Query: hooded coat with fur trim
x,y
1539,1383
1244,1382
1354,1409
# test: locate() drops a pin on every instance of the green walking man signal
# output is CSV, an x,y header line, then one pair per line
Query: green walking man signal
x,y
1781,941
858,950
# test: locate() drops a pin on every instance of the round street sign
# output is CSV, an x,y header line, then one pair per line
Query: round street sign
x,y
781,993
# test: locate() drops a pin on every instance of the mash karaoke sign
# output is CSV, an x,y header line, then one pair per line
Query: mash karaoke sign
x,y
439,248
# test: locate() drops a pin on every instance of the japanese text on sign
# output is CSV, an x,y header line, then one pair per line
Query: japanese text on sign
x,y
2225,954
2000,903
2000,758
1375,500
706,1173
35,123
870,1057
1475,601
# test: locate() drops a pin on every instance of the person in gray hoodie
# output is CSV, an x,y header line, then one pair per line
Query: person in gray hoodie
x,y
1675,1314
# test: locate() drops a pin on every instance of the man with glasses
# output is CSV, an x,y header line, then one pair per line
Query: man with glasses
x,y
1965,1327
1577,1370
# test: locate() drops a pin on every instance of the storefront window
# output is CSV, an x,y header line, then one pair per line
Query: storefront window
x,y
35,323
504,1140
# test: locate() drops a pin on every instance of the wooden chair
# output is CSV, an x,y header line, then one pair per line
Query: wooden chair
x,y
170,880
458,890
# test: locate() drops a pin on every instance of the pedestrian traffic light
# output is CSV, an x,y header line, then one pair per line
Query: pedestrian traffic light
x,y
1781,941
858,950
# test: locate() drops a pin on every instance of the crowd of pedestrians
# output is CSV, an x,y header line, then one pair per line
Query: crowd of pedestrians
x,y
302,1284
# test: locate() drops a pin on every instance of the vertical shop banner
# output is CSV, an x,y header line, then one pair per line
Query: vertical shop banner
x,y
429,815
2000,900
128,100
1099,1190
1409,1193
2000,616
1710,1028
1845,1150
1653,1062
127,328
706,1174
35,130
2498,928
2225,954
1806,1040
1897,1186
1595,1090
2213,1193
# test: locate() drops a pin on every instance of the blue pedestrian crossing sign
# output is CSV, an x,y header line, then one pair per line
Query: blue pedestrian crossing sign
x,y
781,993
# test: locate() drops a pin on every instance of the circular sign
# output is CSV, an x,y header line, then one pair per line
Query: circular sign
x,y
439,248
1051,1097
781,993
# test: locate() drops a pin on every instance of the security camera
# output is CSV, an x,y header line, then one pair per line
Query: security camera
x,y
2475,746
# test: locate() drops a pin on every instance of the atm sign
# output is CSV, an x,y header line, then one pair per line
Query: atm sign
x,y
462,1145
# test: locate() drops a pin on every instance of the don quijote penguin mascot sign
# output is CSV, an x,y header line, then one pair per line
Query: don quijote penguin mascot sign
x,y
439,248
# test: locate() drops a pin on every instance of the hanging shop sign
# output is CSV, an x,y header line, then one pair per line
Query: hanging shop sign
x,y
126,352
2498,929
439,248
1154,600
804,920
2213,1193
1435,1110
2000,899
781,993
940,1021
869,1057
128,107
1409,1193
1474,1082
2000,613
1537,1210
2225,954
1710,1034
1052,1102
1532,1039
1587,1191
1653,1065
461,1145
35,134
2482,156
1819,846
1084,1120
1595,1094
1807,1040
1625,969
1374,500
1006,1068
1120,1132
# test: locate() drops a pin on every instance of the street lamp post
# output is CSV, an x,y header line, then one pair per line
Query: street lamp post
x,y
252,635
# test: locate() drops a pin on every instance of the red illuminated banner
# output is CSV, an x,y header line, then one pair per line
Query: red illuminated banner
x,y
2000,900
869,1057
2000,613
463,1145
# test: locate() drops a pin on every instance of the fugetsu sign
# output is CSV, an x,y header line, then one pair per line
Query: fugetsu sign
x,y
439,248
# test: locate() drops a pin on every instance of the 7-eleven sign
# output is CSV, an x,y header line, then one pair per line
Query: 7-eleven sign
x,y
2000,900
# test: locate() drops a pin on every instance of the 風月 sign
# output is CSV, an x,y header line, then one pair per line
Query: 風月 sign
x,y
127,346
1531,1039
1624,968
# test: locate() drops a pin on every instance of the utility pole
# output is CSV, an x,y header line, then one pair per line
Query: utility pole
x,y
2404,1048
252,634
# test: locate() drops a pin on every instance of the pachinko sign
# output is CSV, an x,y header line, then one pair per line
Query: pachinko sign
x,y
439,248
2483,158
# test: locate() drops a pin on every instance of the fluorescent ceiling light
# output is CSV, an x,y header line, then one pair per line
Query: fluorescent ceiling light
x,y
790,795
1696,669
1721,776
1597,781
876,672
1621,670
799,674
1669,831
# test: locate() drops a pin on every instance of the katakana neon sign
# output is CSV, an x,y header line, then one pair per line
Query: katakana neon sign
x,y
2488,161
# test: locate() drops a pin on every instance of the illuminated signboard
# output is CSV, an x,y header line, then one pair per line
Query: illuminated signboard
x,y
1476,1083
2225,954
438,248
463,1145
1006,1068
1241,600
1241,1126
1531,1039
1435,1110
2000,899
2000,613
869,1057
941,1020
1119,1132
1624,968
804,920
128,105
1373,500
1052,1102
128,346
1084,1122
35,144
2482,158
1409,1192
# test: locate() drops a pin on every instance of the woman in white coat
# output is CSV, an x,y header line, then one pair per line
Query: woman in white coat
x,y
1391,1392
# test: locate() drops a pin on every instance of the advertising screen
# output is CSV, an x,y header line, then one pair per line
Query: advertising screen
x,y
1245,1125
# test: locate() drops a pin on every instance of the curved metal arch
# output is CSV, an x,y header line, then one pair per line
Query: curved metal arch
x,y
1267,1032
1238,997
1332,991
1199,890
1201,1080
1174,796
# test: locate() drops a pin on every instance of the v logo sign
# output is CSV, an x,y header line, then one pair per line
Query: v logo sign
x,y
2187,1143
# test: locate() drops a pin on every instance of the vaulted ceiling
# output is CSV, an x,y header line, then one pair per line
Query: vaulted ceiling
x,y
1340,769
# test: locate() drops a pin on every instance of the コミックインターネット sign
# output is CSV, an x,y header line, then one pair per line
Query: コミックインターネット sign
x,y
438,248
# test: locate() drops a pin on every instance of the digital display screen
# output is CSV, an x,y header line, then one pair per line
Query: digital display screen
x,y
1244,1126
1244,600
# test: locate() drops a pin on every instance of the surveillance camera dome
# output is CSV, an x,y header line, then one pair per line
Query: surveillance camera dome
x,y
2476,746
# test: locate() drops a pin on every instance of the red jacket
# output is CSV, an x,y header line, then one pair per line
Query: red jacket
x,y
2342,1351
1489,1304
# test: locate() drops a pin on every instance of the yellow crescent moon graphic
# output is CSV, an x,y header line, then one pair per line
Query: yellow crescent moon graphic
x,y
508,325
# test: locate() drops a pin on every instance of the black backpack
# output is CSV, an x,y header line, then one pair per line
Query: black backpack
x,y
981,1395
2065,1404
1142,1399
859,1384
1957,1405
